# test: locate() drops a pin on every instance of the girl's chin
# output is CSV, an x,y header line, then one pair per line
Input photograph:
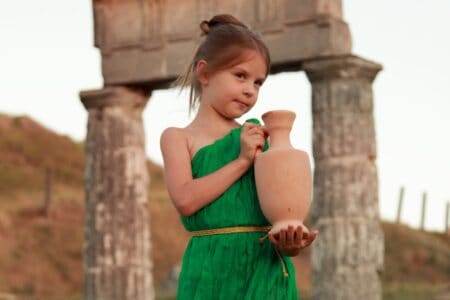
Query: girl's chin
x,y
241,105
235,111
233,115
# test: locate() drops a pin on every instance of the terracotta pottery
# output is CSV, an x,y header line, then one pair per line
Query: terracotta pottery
x,y
283,175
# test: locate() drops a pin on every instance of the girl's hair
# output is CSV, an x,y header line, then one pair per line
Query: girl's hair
x,y
226,38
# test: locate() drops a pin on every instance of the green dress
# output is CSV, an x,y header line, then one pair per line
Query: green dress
x,y
236,265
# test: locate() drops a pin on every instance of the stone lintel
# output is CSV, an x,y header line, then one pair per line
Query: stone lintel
x,y
288,45
343,67
151,24
115,96
300,10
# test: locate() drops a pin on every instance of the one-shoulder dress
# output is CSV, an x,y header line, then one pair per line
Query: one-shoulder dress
x,y
233,265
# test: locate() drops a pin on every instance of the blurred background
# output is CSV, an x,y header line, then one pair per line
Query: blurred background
x,y
47,57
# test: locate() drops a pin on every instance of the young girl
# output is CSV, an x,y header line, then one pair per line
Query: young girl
x,y
210,178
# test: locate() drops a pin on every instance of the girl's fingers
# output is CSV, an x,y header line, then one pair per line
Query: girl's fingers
x,y
257,141
264,130
299,234
253,137
258,133
252,128
311,238
249,126
273,239
258,150
290,236
282,238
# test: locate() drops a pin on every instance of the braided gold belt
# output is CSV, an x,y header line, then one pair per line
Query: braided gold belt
x,y
238,229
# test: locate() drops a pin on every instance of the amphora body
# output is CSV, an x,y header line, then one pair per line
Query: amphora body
x,y
283,175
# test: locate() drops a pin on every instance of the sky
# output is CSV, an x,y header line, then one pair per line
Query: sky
x,y
47,57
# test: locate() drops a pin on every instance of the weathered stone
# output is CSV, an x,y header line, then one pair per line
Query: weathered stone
x,y
357,241
341,67
346,283
347,187
148,41
117,238
348,255
343,106
304,10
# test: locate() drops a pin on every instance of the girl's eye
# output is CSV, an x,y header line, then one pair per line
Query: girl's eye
x,y
259,82
240,75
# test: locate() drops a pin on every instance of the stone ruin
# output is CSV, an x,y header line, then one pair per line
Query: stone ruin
x,y
145,45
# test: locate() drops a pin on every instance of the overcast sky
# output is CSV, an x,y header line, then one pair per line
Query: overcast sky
x,y
47,57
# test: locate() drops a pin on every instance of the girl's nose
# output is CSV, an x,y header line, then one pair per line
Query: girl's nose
x,y
249,91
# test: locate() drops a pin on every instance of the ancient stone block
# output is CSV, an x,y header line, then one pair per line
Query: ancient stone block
x,y
135,34
268,16
348,255
354,241
347,283
308,40
345,187
179,21
303,10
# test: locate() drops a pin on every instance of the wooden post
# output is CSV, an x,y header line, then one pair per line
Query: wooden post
x,y
424,204
447,211
400,203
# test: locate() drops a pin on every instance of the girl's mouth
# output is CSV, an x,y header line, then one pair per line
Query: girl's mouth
x,y
242,104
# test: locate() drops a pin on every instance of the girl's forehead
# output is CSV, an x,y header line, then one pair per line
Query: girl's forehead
x,y
251,58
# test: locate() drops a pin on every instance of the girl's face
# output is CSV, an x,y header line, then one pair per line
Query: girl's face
x,y
233,91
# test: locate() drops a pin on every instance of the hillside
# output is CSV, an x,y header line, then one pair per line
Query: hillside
x,y
42,254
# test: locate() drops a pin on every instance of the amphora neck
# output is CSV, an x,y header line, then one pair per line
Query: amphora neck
x,y
279,124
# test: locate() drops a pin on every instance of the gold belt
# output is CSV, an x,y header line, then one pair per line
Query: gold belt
x,y
237,229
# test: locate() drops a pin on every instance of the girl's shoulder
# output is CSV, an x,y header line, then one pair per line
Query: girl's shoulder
x,y
171,134
181,139
173,137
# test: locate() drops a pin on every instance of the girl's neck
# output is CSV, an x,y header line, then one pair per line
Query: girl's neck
x,y
207,116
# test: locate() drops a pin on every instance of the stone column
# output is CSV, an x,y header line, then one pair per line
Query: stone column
x,y
347,257
117,262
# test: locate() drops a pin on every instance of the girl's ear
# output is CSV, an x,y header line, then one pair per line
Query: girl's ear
x,y
201,72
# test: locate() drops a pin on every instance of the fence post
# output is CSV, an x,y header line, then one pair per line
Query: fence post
x,y
424,204
400,203
447,211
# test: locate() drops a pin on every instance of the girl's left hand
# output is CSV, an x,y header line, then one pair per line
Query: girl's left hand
x,y
289,242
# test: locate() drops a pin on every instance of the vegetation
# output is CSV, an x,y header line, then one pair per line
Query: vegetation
x,y
41,255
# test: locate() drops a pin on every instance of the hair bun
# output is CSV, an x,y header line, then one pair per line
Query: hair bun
x,y
206,26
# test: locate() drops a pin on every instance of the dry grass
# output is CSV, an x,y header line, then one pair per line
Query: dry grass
x,y
41,256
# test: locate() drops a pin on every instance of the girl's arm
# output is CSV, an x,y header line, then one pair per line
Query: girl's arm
x,y
188,194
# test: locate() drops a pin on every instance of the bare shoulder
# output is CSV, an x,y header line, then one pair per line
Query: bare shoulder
x,y
178,138
174,143
173,136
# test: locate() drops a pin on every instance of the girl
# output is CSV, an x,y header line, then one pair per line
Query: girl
x,y
209,174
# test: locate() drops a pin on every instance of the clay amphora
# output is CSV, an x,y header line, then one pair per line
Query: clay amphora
x,y
283,175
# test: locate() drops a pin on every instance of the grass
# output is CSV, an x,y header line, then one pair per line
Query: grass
x,y
41,257
411,291
390,292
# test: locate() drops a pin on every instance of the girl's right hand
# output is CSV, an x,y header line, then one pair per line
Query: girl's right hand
x,y
252,141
